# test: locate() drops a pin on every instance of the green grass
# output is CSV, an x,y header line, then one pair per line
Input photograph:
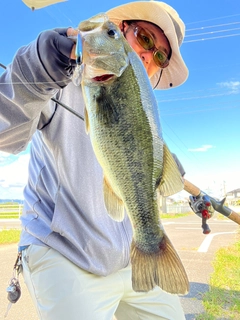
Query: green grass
x,y
9,215
223,299
12,236
174,215
10,210
9,236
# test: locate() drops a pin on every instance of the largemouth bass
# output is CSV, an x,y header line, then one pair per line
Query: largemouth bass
x,y
123,122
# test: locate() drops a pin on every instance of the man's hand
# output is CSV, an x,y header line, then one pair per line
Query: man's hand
x,y
72,33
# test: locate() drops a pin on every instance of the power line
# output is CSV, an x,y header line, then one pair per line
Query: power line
x,y
211,32
197,40
199,110
197,97
214,26
212,19
179,140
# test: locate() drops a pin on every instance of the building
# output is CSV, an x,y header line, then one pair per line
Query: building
x,y
233,197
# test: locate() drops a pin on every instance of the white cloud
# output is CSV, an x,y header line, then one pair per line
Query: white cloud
x,y
13,177
3,157
234,86
204,148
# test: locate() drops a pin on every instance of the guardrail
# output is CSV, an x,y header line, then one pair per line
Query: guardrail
x,y
10,211
178,208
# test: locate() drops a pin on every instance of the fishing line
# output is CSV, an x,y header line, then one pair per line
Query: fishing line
x,y
158,100
56,100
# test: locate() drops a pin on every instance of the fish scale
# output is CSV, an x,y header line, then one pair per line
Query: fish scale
x,y
123,122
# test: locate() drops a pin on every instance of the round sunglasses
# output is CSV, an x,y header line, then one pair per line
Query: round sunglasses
x,y
146,41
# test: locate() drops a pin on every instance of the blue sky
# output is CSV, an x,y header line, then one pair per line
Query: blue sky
x,y
200,119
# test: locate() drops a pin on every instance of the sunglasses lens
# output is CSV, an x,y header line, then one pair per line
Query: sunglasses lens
x,y
160,59
144,39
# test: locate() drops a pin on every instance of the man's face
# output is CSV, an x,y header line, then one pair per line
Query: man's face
x,y
160,41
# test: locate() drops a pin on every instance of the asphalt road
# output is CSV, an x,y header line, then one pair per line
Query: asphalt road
x,y
197,252
195,249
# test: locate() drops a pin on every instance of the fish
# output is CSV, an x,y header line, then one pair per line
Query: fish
x,y
122,119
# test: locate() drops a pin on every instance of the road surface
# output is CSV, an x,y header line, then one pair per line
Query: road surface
x,y
195,249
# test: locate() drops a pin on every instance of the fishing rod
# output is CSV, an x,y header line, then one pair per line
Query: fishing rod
x,y
208,201
3,66
58,102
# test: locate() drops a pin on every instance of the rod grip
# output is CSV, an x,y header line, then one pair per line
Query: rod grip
x,y
234,216
191,188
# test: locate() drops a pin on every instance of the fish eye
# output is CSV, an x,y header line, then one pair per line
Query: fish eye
x,y
112,33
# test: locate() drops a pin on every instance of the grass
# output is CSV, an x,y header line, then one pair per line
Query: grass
x,y
9,236
10,210
174,215
222,302
12,236
9,215
223,299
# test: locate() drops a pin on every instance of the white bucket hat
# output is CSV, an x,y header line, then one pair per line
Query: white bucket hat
x,y
173,27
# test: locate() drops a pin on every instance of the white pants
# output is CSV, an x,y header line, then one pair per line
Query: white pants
x,y
62,291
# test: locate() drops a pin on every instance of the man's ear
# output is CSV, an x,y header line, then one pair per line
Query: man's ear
x,y
122,24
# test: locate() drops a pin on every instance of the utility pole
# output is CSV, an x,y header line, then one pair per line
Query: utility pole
x,y
224,188
164,204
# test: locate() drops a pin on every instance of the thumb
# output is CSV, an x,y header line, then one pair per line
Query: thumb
x,y
72,33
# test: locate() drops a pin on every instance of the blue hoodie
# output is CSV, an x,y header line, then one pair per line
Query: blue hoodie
x,y
63,206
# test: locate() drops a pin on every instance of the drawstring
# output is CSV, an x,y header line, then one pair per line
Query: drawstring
x,y
160,75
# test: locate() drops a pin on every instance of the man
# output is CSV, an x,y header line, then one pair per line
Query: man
x,y
75,257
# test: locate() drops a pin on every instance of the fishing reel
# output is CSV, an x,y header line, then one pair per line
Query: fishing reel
x,y
202,207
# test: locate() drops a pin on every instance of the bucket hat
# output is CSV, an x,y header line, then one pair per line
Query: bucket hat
x,y
164,16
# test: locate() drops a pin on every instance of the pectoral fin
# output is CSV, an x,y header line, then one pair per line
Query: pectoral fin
x,y
113,203
171,181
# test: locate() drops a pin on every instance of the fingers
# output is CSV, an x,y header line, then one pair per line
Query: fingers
x,y
72,32
56,51
72,54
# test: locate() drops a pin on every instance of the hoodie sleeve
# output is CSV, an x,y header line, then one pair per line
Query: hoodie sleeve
x,y
37,73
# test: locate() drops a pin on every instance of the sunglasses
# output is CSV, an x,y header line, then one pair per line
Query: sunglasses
x,y
146,41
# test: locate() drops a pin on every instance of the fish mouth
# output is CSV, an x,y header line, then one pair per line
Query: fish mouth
x,y
103,78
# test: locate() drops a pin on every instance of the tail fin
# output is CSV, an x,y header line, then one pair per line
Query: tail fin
x,y
163,269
